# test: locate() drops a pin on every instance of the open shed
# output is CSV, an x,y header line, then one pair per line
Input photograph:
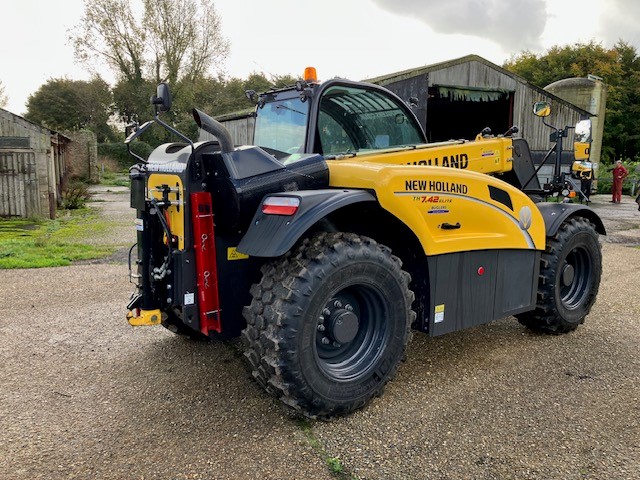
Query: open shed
x,y
458,98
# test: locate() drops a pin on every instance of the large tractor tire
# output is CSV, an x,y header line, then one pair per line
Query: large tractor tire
x,y
329,323
570,272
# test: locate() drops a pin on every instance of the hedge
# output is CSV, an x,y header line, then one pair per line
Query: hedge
x,y
118,152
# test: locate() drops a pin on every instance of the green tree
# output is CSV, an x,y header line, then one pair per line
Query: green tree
x,y
63,104
184,38
619,67
220,96
174,41
217,96
109,32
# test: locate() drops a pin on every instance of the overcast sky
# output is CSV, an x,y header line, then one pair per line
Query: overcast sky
x,y
355,39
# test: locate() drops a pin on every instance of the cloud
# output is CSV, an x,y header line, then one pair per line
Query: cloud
x,y
619,21
515,24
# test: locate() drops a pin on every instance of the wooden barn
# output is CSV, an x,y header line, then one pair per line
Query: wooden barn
x,y
32,167
457,99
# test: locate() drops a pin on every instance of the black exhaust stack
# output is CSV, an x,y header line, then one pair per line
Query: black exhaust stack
x,y
215,128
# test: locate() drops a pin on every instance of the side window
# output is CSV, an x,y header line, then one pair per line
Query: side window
x,y
333,138
282,125
354,119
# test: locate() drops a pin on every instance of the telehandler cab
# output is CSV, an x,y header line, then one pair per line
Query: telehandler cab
x,y
340,230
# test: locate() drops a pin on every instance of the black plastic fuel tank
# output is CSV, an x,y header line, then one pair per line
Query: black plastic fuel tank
x,y
239,180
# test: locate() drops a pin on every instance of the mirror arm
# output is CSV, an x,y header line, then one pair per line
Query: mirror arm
x,y
135,134
542,164
135,155
138,131
550,126
174,131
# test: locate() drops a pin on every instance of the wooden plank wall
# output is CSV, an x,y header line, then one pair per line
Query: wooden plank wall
x,y
40,168
18,184
241,130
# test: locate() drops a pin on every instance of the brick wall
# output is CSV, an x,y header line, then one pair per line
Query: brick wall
x,y
82,155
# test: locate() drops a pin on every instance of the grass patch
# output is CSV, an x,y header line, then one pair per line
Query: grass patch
x,y
334,464
51,243
115,179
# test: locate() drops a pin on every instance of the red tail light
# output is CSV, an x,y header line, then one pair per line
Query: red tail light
x,y
280,206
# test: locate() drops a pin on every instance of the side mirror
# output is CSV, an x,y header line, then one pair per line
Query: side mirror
x,y
252,96
541,109
582,142
162,100
138,130
583,131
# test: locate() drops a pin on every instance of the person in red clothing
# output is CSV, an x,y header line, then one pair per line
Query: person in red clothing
x,y
619,172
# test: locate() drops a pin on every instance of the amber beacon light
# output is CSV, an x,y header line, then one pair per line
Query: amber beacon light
x,y
310,74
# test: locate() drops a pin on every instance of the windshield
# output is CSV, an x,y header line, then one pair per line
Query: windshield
x,y
282,125
355,119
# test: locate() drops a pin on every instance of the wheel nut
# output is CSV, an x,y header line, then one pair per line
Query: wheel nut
x,y
348,307
321,328
336,344
326,341
321,319
326,312
337,304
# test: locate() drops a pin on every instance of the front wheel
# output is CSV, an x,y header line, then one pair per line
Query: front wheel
x,y
570,272
329,323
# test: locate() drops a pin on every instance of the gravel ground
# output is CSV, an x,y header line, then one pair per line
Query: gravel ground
x,y
83,395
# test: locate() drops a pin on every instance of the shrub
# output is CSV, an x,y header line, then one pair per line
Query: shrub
x,y
629,185
75,195
118,152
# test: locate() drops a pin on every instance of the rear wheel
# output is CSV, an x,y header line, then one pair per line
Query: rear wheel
x,y
570,272
329,323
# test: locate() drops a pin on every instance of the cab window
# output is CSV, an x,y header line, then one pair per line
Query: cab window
x,y
353,120
282,125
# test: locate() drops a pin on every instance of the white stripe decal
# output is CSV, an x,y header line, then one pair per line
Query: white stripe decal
x,y
525,233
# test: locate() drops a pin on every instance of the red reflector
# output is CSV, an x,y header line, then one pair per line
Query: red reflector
x,y
481,271
206,267
280,206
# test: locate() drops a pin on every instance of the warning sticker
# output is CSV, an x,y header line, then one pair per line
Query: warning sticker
x,y
438,316
139,225
189,298
234,254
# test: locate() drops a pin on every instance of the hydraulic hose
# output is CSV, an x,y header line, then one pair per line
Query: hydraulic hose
x,y
159,273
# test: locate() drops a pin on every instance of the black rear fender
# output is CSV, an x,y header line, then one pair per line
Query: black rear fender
x,y
272,235
555,214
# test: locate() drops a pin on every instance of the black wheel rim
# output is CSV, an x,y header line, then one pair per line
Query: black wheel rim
x,y
575,278
351,332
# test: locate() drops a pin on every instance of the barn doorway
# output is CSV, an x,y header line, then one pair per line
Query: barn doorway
x,y
463,112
